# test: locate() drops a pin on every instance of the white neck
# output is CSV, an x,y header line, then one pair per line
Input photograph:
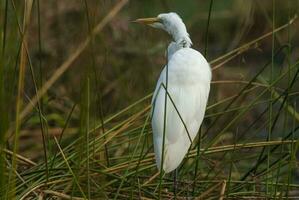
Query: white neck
x,y
179,34
184,42
174,25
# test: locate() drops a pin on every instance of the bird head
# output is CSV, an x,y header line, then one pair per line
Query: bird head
x,y
169,22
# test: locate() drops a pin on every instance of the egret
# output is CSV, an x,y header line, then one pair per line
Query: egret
x,y
180,98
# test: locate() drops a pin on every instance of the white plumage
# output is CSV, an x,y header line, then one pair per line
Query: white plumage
x,y
188,87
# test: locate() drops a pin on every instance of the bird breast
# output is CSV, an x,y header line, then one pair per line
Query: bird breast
x,y
188,66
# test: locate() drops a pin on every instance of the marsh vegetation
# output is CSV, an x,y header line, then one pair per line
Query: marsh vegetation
x,y
76,79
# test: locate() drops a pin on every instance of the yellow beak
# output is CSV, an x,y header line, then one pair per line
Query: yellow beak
x,y
147,21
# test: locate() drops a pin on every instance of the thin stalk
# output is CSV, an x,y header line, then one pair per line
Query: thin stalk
x,y
231,165
289,81
292,161
207,29
24,46
43,121
62,133
69,168
132,156
164,131
200,131
271,92
87,138
97,85
19,101
3,108
4,30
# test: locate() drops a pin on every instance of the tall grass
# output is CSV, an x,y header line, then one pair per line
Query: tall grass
x,y
246,147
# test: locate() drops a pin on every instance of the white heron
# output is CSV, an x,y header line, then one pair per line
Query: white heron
x,y
187,77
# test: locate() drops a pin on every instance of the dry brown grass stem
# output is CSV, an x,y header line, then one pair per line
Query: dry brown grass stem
x,y
208,191
23,197
72,58
150,157
69,167
241,146
121,166
231,57
223,188
61,195
125,126
228,56
239,81
151,179
22,158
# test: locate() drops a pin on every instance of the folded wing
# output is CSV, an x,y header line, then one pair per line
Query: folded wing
x,y
188,88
